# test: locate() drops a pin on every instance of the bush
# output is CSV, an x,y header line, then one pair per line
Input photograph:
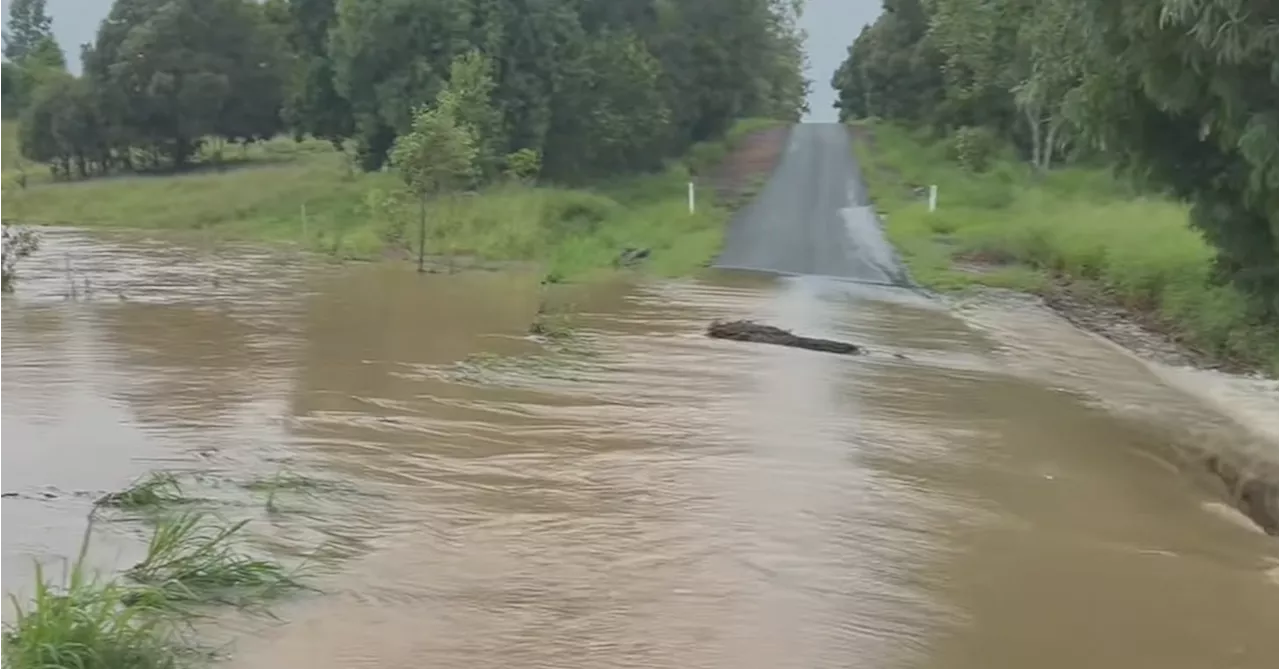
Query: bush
x,y
18,244
523,165
974,147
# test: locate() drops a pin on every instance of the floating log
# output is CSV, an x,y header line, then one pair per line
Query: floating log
x,y
768,334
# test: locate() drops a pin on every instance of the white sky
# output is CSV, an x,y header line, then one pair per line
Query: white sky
x,y
831,26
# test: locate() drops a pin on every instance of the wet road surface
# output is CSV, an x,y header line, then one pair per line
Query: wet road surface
x,y
638,496
813,216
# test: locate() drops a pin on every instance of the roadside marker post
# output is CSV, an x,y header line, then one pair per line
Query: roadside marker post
x,y
691,207
933,198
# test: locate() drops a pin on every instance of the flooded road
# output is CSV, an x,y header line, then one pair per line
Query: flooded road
x,y
1006,495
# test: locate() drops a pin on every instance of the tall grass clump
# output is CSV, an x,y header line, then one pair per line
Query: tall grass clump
x,y
87,623
154,490
192,558
1080,225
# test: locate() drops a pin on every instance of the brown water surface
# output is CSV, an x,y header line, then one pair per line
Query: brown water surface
x,y
638,495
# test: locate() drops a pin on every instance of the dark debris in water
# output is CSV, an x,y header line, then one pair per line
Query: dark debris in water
x,y
768,334
49,494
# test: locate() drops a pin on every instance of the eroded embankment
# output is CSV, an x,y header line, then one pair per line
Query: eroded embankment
x,y
1234,454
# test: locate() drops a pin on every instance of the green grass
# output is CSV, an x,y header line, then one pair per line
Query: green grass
x,y
87,623
155,490
194,559
305,193
1076,224
90,622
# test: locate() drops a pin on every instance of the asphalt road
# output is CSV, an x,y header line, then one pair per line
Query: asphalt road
x,y
813,216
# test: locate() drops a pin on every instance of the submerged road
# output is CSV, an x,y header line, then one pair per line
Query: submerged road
x,y
813,216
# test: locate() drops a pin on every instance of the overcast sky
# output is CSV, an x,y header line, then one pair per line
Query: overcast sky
x,y
831,25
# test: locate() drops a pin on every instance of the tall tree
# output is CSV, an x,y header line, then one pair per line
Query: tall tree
x,y
537,42
180,70
468,100
313,105
892,70
610,116
391,56
29,25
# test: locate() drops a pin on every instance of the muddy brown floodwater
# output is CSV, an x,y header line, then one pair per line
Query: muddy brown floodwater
x,y
641,495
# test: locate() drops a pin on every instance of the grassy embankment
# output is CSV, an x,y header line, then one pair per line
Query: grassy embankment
x,y
1076,229
262,194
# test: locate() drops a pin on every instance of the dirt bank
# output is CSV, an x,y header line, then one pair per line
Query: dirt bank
x,y
1243,472
748,165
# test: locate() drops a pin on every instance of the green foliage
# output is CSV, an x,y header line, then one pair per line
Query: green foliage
x,y
157,489
973,147
62,126
1186,93
572,232
438,154
29,28
32,54
160,78
1074,223
590,86
891,71
523,165
194,559
175,72
468,100
89,624
313,105
1181,94
621,121
391,57
1014,66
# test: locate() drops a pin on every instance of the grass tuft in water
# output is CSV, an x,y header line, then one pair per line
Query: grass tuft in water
x,y
88,624
153,490
285,480
192,558
289,482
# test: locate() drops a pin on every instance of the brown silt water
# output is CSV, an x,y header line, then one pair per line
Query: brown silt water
x,y
984,488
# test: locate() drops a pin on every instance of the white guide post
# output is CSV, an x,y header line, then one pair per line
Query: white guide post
x,y
933,198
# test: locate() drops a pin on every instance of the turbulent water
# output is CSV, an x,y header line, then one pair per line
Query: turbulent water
x,y
987,488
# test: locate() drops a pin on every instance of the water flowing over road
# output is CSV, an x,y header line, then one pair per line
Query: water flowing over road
x,y
637,496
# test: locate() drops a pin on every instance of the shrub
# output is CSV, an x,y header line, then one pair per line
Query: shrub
x,y
974,147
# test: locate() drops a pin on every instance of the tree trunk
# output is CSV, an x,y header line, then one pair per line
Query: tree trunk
x,y
181,152
422,232
1046,154
1033,121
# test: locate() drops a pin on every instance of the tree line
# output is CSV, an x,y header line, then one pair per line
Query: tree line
x,y
571,88
1181,94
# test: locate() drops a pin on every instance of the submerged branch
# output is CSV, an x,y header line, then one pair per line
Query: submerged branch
x,y
768,334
